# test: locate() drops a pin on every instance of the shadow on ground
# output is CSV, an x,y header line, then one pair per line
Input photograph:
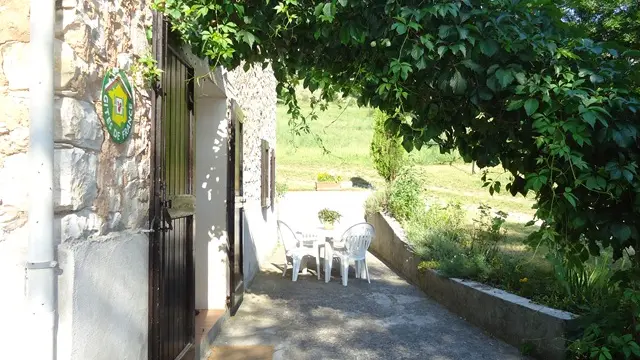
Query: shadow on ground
x,y
361,183
387,319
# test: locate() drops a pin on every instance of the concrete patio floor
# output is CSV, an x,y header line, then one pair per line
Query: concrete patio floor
x,y
387,319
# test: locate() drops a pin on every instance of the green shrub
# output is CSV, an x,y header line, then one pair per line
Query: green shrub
x,y
376,202
324,176
386,149
439,236
281,189
611,330
404,196
426,265
587,283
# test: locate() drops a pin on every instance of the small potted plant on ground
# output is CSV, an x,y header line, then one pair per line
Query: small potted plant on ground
x,y
327,181
328,217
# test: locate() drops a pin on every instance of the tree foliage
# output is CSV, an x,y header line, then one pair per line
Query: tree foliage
x,y
611,20
503,81
386,150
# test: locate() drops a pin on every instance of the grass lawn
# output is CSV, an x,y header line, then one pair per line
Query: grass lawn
x,y
346,132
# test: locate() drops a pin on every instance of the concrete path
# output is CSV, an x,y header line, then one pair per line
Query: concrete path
x,y
387,319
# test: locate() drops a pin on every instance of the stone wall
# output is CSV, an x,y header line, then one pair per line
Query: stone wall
x,y
255,92
101,192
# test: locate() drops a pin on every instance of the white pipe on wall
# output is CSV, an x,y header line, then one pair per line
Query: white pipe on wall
x,y
41,265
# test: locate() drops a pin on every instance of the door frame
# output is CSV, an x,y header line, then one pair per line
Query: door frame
x,y
234,299
160,47
160,29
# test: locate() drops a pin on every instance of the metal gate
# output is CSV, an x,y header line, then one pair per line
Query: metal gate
x,y
172,282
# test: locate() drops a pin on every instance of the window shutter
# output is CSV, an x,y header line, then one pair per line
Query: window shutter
x,y
272,180
264,175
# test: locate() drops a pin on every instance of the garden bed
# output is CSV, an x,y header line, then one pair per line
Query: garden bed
x,y
514,319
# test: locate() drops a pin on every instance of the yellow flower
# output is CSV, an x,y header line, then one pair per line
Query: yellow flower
x,y
524,280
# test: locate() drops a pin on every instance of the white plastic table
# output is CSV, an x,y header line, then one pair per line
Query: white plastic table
x,y
315,241
327,239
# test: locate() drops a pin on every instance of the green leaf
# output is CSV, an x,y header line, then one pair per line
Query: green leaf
x,y
458,83
463,33
400,28
444,31
415,26
247,37
631,53
407,144
596,79
621,231
417,52
489,47
343,2
175,13
570,198
515,105
345,37
425,40
505,77
531,106
442,50
492,69
521,78
421,64
595,183
327,10
472,65
492,83
590,117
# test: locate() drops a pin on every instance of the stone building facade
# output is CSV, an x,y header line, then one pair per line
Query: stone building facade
x,y
102,190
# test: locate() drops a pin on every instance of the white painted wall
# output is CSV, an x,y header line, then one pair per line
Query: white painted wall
x,y
211,193
13,329
103,298
260,238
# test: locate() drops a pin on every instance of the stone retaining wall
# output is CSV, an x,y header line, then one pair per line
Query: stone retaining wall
x,y
509,317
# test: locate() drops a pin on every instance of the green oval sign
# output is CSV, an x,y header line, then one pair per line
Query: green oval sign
x,y
117,105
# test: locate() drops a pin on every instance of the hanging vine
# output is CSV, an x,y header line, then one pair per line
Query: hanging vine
x,y
502,81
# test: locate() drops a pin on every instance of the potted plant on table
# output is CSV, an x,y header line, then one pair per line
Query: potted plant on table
x,y
328,217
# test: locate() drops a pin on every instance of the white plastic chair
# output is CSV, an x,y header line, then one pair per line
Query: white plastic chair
x,y
356,241
294,248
